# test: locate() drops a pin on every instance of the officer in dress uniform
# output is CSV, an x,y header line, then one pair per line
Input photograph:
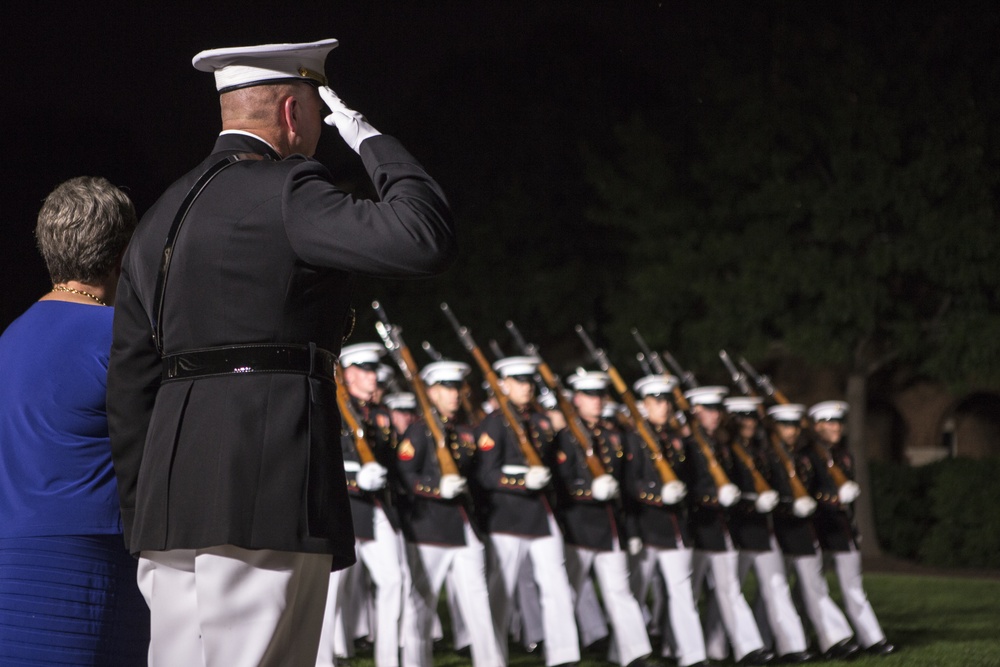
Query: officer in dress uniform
x,y
715,552
372,487
230,312
441,541
753,533
834,518
518,515
591,514
793,528
659,520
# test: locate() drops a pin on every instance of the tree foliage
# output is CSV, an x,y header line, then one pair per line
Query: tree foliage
x,y
834,196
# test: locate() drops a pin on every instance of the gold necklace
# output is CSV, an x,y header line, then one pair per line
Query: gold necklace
x,y
63,288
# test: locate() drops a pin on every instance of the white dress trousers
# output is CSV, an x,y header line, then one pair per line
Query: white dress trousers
x,y
226,606
859,610
628,628
464,567
548,560
737,619
384,560
825,616
682,623
591,622
779,616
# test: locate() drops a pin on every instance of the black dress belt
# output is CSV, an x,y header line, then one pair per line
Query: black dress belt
x,y
239,359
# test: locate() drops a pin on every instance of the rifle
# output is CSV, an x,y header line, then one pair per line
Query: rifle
x,y
727,491
569,412
799,492
473,413
527,449
846,487
431,352
393,341
667,475
760,484
352,419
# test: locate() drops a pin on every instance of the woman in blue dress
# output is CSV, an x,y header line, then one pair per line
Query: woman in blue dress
x,y
68,594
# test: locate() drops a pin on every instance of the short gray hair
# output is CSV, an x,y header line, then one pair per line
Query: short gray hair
x,y
83,228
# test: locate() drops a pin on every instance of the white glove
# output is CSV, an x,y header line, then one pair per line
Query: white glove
x,y
728,495
537,477
371,477
803,507
634,546
673,492
452,485
766,501
848,492
604,487
352,126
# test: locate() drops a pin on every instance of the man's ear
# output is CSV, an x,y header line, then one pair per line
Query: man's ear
x,y
290,110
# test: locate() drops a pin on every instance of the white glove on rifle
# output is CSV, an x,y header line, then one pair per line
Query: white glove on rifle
x,y
371,477
673,492
766,501
728,495
452,485
604,487
537,477
803,507
634,546
848,492
352,126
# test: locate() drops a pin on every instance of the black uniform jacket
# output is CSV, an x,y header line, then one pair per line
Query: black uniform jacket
x,y
266,256
649,518
796,535
427,517
381,439
834,522
751,530
505,504
587,522
709,520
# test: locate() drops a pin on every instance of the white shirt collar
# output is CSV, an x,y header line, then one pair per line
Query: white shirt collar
x,y
249,134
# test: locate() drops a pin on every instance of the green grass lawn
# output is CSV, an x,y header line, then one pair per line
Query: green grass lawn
x,y
934,622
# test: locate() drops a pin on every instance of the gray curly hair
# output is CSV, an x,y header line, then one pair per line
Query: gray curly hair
x,y
83,228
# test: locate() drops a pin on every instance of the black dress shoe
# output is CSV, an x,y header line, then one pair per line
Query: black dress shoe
x,y
796,658
533,647
843,650
882,648
758,657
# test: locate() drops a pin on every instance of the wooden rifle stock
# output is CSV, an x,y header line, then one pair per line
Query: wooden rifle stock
x,y
576,428
667,474
714,469
404,359
798,489
527,449
760,484
352,420
836,474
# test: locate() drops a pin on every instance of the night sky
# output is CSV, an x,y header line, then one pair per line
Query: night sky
x,y
107,88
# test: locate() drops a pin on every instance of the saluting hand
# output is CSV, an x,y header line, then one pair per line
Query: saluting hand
x,y
352,125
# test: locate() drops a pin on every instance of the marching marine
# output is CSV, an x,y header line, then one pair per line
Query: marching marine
x,y
660,522
518,515
591,515
442,544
